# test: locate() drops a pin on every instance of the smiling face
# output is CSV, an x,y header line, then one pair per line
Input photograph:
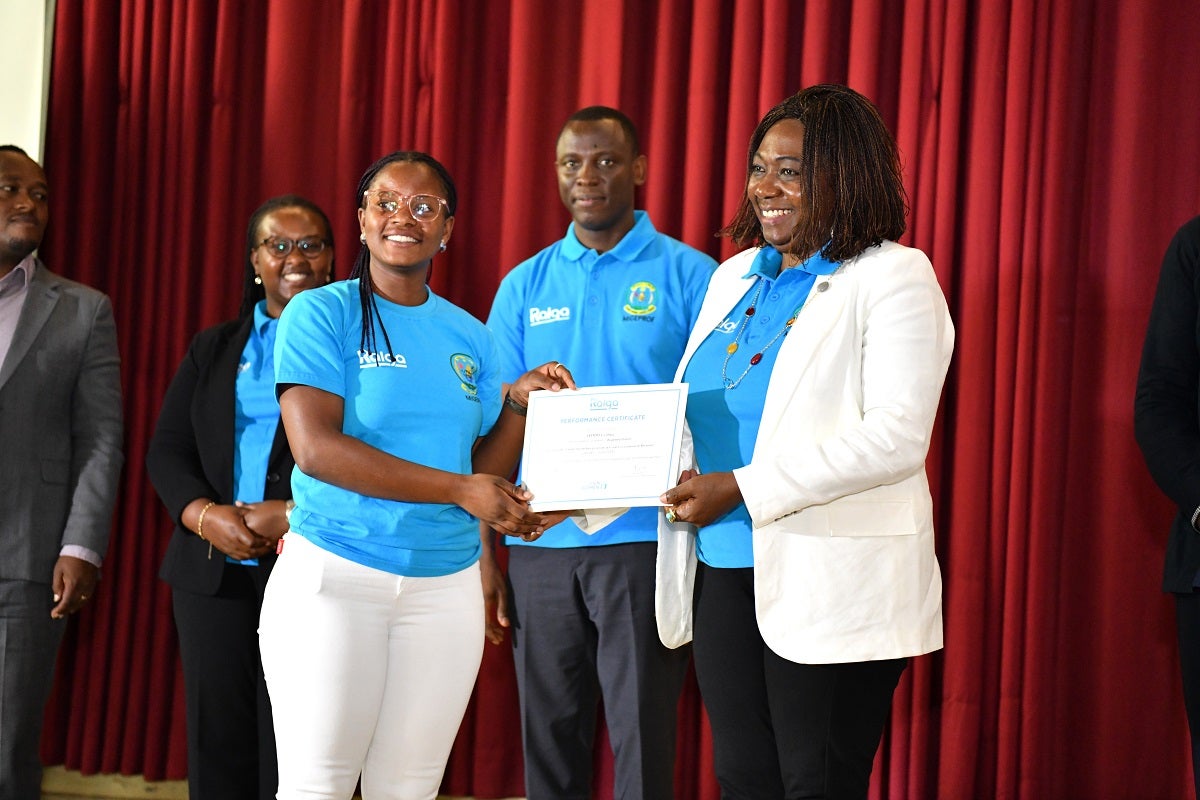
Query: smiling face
x,y
597,175
284,277
775,185
394,237
24,208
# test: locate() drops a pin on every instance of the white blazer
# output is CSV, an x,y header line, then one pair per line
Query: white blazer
x,y
844,564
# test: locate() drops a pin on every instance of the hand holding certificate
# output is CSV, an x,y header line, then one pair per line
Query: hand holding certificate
x,y
603,447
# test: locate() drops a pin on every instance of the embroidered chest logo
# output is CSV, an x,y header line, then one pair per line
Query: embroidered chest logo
x,y
728,326
641,299
464,367
639,303
542,316
369,360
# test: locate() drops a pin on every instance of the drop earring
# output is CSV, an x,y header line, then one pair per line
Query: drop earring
x,y
362,237
257,279
442,247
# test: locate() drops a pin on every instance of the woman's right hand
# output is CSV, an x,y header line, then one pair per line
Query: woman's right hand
x,y
225,527
501,505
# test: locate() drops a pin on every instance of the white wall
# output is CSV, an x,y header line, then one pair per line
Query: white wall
x,y
26,36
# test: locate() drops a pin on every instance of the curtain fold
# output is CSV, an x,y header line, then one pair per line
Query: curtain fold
x,y
1050,152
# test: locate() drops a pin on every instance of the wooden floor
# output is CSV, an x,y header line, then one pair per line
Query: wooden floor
x,y
62,784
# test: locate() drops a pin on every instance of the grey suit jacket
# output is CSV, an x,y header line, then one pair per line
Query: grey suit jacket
x,y
60,427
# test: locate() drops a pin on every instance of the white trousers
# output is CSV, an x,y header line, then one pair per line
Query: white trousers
x,y
368,672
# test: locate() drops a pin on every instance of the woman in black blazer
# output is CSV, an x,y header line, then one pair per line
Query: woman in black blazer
x,y
219,459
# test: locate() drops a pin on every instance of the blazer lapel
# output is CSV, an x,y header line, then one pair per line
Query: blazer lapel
x,y
40,299
217,412
723,294
805,342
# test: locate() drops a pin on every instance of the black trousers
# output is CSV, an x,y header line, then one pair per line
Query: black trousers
x,y
583,628
782,729
1187,627
230,738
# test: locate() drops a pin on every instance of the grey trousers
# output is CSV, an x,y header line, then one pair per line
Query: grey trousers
x,y
29,641
584,630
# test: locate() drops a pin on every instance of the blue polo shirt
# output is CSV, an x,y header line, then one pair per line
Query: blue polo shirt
x,y
724,421
256,411
620,317
426,402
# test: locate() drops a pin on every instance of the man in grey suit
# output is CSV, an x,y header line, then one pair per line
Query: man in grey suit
x,y
60,436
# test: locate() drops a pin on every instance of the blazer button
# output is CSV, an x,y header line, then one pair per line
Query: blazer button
x,y
272,477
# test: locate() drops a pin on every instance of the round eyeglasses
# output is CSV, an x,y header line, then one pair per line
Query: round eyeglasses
x,y
278,246
423,207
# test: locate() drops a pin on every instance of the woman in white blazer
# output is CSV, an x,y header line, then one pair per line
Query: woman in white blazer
x,y
814,372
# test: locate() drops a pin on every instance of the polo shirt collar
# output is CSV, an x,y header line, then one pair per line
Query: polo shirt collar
x,y
628,249
262,320
766,264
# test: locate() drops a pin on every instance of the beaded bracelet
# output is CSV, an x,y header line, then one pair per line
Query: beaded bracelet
x,y
514,406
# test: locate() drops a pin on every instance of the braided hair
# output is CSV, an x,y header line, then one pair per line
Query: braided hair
x,y
362,264
850,176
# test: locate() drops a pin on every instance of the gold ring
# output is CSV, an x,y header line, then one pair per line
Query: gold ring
x,y
671,516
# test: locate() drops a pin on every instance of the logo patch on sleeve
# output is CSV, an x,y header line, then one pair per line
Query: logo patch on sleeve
x,y
464,367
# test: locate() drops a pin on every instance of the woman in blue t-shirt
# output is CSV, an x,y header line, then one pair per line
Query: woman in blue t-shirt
x,y
372,628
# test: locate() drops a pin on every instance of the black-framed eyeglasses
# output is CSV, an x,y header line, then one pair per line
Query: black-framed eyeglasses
x,y
278,246
423,207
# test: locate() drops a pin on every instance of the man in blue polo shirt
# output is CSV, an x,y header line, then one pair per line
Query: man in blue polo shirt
x,y
615,301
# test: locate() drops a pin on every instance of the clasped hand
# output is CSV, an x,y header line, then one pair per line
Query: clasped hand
x,y
245,530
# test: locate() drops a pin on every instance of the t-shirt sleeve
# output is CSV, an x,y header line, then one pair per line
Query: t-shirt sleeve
x,y
489,384
507,324
698,269
308,344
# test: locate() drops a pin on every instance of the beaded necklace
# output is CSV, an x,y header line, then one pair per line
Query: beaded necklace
x,y
757,357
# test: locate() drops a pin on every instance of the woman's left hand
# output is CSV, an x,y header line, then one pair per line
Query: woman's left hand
x,y
551,375
701,499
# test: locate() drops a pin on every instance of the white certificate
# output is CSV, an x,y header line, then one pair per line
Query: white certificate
x,y
603,447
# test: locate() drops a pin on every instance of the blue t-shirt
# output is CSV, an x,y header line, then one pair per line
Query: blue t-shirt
x,y
726,393
426,402
620,317
256,412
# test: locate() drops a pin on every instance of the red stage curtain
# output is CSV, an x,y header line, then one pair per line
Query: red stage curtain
x,y
1050,151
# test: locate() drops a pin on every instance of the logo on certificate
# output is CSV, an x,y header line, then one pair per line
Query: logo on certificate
x,y
464,367
641,299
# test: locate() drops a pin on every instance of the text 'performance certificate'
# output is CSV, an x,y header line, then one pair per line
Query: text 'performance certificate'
x,y
603,447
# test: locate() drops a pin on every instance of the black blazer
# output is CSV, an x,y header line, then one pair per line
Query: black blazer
x,y
191,453
1167,405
